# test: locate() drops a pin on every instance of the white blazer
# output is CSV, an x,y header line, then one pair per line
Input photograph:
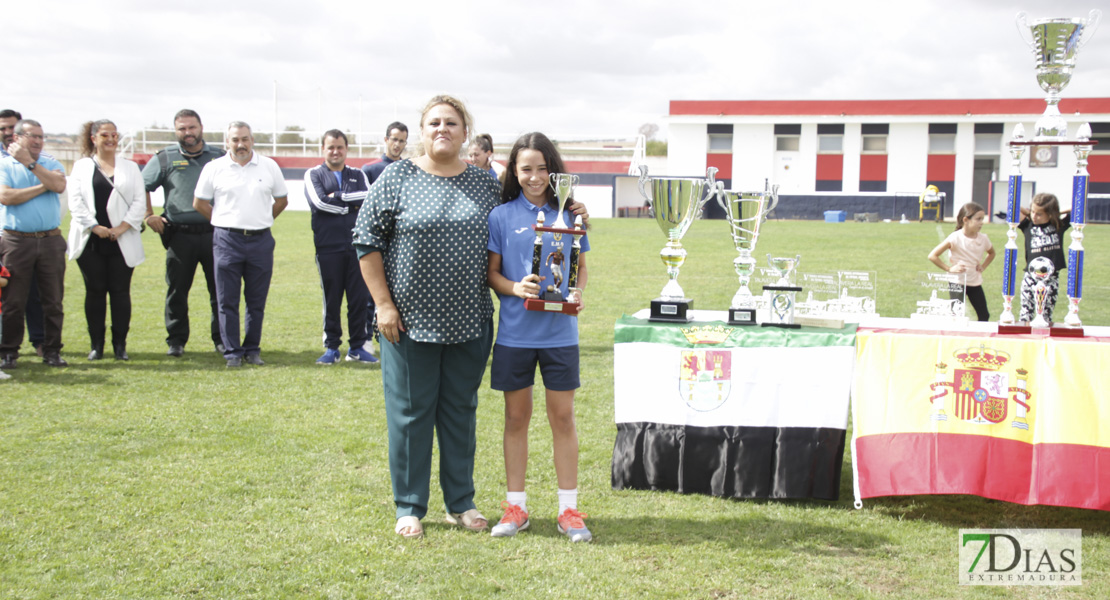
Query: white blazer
x,y
127,203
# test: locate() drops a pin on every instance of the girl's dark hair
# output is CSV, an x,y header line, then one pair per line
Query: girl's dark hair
x,y
532,141
1051,207
966,212
88,130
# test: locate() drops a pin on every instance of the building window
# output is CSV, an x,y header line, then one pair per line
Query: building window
x,y
1100,132
720,143
988,143
874,144
830,144
787,143
942,143
874,138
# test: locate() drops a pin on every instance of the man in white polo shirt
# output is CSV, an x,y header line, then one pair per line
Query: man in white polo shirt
x,y
241,193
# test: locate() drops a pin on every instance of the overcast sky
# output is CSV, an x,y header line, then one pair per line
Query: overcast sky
x,y
570,68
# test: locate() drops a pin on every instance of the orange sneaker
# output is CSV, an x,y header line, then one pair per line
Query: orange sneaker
x,y
514,520
572,524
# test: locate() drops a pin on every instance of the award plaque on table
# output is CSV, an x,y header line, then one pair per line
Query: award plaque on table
x,y
943,298
822,293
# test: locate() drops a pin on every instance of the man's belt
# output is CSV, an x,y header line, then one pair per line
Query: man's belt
x,y
33,234
191,227
246,231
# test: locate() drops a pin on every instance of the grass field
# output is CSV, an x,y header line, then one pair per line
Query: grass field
x,y
176,478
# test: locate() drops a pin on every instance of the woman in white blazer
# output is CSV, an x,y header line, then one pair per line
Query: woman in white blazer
x,y
107,203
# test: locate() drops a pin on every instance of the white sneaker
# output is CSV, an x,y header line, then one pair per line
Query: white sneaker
x,y
4,375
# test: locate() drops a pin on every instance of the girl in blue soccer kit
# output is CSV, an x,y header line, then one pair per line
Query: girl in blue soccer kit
x,y
527,338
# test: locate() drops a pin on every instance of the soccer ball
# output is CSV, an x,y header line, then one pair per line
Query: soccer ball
x,y
1041,268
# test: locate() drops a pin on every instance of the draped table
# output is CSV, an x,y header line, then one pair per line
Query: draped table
x,y
742,412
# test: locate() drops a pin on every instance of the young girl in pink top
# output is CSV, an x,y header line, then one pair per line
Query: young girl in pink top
x,y
966,247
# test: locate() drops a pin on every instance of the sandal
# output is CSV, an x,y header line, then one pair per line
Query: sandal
x,y
470,519
409,527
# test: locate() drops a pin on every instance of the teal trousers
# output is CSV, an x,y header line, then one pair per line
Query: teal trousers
x,y
432,390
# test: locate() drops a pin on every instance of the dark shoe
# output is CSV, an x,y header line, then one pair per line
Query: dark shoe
x,y
8,361
121,352
254,359
96,354
234,362
175,350
53,359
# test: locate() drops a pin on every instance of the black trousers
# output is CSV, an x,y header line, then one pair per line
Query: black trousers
x,y
184,252
340,274
106,276
46,258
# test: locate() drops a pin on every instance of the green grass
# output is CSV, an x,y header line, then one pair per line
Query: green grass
x,y
175,478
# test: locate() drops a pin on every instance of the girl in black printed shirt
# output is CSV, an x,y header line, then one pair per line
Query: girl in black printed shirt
x,y
1044,226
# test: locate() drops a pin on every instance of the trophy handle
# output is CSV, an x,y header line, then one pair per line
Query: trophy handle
x,y
1021,20
643,182
711,189
1093,19
774,189
721,195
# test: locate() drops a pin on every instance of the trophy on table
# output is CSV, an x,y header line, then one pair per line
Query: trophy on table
x,y
1055,44
552,298
781,297
1041,268
675,202
746,212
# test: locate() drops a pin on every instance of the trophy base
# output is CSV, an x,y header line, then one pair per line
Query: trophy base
x,y
671,311
783,325
742,316
540,305
1015,329
1066,331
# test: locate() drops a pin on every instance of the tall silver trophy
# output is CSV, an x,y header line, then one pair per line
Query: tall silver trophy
x,y
746,212
675,202
1055,43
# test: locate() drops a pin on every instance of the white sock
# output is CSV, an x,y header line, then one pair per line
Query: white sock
x,y
518,498
568,499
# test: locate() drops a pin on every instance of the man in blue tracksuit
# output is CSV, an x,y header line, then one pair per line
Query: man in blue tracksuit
x,y
335,193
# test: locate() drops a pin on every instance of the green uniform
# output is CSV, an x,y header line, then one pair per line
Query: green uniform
x,y
188,238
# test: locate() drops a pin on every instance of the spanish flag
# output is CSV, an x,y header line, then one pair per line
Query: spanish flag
x,y
1015,418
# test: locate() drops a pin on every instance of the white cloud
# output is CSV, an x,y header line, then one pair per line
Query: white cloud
x,y
569,69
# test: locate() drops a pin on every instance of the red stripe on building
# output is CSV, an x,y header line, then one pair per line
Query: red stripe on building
x,y
872,167
1028,106
905,464
941,167
1098,165
830,167
723,162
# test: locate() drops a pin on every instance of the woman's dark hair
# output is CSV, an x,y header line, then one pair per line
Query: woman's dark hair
x,y
966,212
88,130
532,141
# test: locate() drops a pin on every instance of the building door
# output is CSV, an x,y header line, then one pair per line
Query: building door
x,y
787,173
985,170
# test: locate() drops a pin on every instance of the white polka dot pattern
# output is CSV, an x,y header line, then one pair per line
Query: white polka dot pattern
x,y
433,233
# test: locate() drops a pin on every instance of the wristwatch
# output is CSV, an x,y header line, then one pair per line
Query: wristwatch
x,y
31,167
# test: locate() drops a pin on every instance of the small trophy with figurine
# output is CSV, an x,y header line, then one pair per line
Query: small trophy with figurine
x,y
555,297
